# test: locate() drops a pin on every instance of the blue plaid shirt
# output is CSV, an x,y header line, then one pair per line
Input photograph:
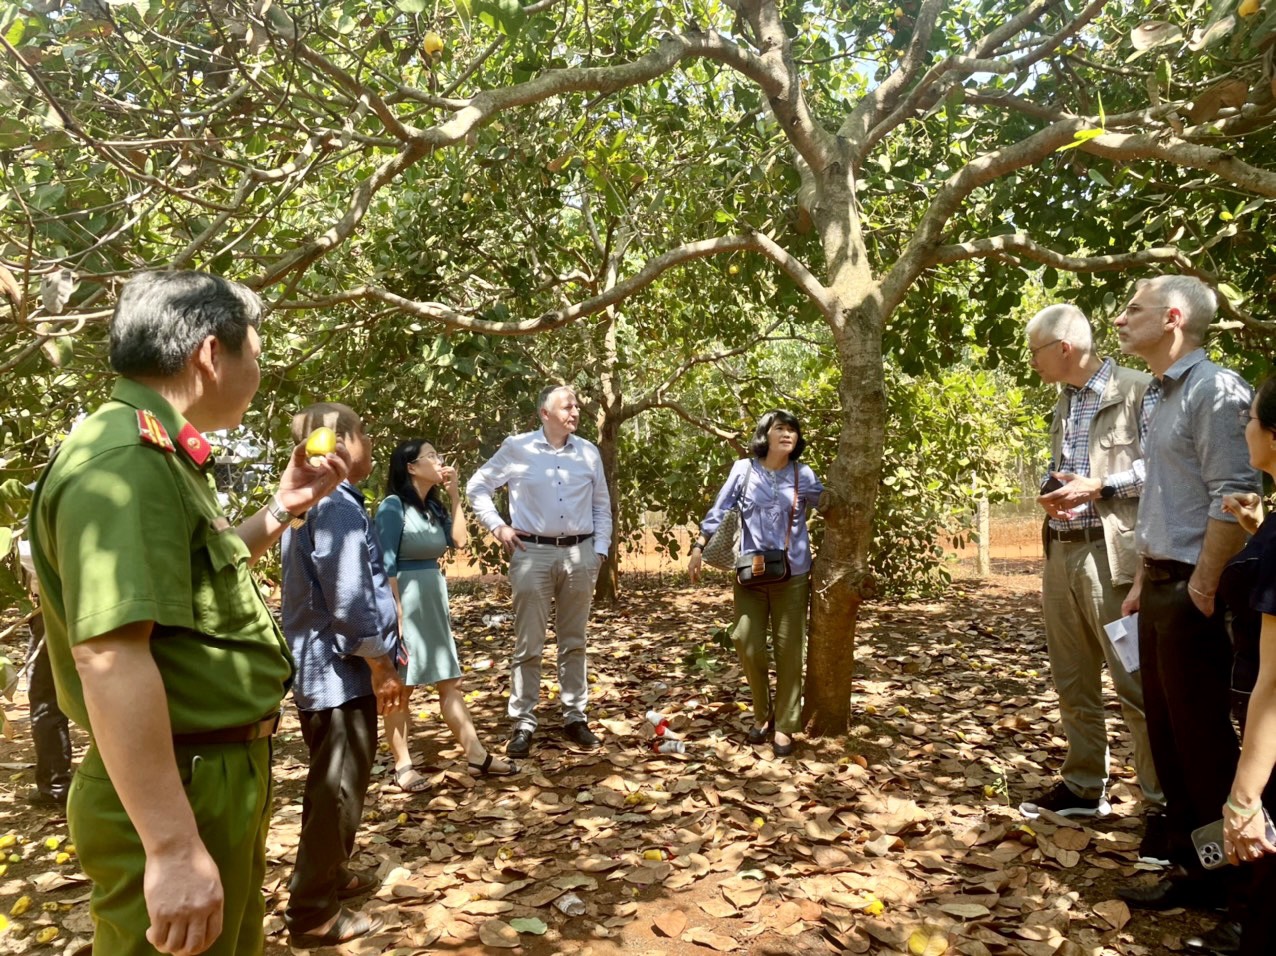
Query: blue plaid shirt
x,y
1083,402
338,609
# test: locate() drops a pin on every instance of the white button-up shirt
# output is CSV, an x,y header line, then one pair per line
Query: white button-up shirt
x,y
553,491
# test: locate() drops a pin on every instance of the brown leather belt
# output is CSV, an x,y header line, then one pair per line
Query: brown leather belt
x,y
242,734
562,541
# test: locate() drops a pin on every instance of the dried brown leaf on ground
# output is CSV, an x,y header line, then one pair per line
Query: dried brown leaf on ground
x,y
907,825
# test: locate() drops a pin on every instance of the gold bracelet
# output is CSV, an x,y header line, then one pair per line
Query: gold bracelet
x,y
1195,590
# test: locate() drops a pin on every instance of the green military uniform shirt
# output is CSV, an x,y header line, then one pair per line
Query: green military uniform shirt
x,y
126,527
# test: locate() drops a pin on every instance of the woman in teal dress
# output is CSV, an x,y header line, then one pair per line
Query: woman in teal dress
x,y
416,526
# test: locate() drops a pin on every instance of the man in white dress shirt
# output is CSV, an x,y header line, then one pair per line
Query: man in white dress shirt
x,y
558,534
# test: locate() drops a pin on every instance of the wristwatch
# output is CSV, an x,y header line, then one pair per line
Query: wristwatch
x,y
1107,491
282,514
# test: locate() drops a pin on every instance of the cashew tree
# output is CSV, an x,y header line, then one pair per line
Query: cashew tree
x,y
895,170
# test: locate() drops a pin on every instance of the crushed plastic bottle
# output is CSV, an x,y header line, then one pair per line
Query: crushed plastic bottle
x,y
495,620
661,725
669,746
569,904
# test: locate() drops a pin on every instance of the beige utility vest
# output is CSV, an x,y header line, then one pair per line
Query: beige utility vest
x,y
1114,447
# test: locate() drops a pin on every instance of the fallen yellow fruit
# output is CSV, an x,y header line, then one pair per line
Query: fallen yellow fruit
x,y
7,841
46,935
21,906
62,858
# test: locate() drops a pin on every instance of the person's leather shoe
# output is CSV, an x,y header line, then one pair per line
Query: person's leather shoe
x,y
578,732
520,744
1171,893
1223,940
46,798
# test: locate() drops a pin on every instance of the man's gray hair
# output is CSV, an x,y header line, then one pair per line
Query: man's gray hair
x,y
549,390
162,317
1194,298
1064,322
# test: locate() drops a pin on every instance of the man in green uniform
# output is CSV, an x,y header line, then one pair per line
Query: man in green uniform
x,y
161,646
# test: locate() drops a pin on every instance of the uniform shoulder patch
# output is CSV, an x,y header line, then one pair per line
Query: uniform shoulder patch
x,y
195,445
151,431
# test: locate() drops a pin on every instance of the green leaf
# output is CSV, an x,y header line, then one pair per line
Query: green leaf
x,y
1082,136
411,6
529,925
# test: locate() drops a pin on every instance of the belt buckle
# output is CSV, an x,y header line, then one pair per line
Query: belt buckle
x,y
561,541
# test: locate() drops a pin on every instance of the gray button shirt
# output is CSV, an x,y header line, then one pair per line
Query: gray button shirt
x,y
1195,453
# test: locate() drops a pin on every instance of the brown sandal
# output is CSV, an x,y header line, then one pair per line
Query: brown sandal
x,y
409,781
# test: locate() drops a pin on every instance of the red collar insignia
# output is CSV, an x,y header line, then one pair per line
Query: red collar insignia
x,y
194,444
151,431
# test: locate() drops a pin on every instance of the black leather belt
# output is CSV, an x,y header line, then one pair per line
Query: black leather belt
x,y
1073,535
244,733
1162,569
562,541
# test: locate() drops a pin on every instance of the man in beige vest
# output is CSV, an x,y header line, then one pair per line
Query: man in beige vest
x,y
1091,501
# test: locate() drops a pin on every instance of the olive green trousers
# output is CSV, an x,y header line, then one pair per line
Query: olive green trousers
x,y
781,609
228,786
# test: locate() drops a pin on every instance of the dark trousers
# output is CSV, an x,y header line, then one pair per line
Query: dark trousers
x,y
1186,662
49,728
342,744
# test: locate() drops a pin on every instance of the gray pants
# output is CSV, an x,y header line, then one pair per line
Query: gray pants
x,y
539,575
1078,599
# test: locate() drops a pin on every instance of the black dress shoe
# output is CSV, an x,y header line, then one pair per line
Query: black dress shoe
x,y
1223,940
578,732
520,744
758,735
46,798
1171,893
783,750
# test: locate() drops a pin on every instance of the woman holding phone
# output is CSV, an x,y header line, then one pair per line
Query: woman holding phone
x,y
417,524
1248,588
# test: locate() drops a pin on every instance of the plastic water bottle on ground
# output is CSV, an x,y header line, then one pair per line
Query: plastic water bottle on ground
x,y
660,723
669,746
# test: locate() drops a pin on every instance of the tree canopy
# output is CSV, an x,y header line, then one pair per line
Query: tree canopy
x,y
441,201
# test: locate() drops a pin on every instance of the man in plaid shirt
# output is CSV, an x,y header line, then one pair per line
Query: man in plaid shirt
x,y
1091,500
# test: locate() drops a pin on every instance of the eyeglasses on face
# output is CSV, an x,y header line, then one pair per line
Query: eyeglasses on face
x,y
1043,345
433,456
1246,416
1135,308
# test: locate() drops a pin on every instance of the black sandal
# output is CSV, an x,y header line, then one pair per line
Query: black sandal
x,y
758,735
484,769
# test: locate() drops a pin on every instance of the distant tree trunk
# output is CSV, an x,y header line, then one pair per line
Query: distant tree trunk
x,y
607,589
985,544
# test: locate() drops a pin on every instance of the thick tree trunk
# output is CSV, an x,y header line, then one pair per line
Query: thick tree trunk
x,y
841,579
607,588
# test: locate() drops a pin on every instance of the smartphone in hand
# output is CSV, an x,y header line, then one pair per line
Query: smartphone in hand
x,y
1050,484
1208,841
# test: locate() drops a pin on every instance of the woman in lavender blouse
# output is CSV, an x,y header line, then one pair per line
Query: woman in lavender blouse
x,y
765,486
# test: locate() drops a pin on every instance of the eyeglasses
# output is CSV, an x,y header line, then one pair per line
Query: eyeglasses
x,y
433,456
1135,309
1043,345
1246,416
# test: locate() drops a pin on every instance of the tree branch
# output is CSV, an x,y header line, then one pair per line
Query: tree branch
x,y
688,252
1018,244
732,438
